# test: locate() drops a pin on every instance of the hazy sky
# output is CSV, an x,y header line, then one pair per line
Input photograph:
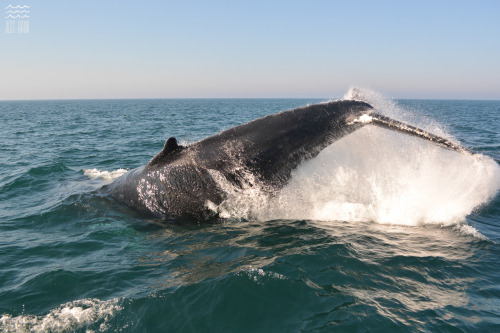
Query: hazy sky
x,y
162,49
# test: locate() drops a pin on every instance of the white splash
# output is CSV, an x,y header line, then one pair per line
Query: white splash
x,y
390,108
387,177
383,176
68,317
106,175
468,230
239,203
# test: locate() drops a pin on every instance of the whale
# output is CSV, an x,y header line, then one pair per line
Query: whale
x,y
184,181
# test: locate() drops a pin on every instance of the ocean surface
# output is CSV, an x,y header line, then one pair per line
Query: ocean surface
x,y
380,233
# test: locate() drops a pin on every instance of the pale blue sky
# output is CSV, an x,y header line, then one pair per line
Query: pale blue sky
x,y
163,49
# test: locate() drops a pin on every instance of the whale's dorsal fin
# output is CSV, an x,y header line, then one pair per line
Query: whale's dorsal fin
x,y
169,147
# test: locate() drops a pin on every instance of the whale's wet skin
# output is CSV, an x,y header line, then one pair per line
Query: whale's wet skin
x,y
374,229
179,181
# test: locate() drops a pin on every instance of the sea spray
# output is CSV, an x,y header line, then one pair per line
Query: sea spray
x,y
381,176
378,175
390,108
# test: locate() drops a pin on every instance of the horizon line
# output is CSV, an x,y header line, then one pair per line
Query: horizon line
x,y
213,98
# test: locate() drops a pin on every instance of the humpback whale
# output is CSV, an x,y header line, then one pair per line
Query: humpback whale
x,y
180,182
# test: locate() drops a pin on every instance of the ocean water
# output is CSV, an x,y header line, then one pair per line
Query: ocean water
x,y
380,232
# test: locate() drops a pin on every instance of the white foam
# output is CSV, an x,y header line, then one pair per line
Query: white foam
x,y
65,318
257,274
386,177
106,175
468,230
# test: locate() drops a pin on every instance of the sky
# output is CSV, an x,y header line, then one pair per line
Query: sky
x,y
245,49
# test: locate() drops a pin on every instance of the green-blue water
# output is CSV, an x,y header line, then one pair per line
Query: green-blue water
x,y
415,251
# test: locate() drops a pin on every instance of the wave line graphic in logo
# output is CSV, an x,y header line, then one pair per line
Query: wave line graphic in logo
x,y
18,7
17,16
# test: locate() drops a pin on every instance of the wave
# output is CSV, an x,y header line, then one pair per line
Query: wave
x,y
89,314
468,230
35,176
